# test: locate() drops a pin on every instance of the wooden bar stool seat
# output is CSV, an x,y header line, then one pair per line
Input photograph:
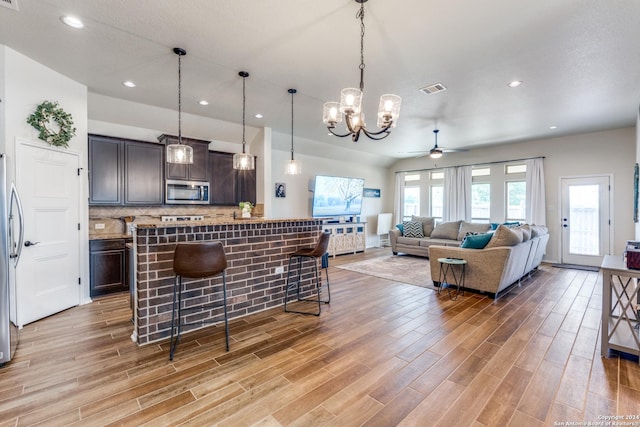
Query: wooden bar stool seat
x,y
313,254
197,261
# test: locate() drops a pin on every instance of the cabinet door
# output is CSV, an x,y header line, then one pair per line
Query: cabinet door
x,y
246,186
105,171
194,172
143,183
107,268
199,170
222,179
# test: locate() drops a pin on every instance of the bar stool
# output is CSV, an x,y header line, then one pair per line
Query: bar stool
x,y
197,261
319,251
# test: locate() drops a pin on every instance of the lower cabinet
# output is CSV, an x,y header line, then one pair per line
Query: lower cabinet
x,y
108,266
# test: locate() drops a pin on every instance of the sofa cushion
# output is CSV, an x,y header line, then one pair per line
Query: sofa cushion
x,y
427,223
472,227
412,229
476,241
408,241
440,242
446,230
505,236
494,225
401,228
526,232
538,230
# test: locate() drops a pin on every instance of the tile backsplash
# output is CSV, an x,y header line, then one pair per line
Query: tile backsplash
x,y
113,217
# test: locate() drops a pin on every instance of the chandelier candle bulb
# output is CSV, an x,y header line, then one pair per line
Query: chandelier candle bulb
x,y
331,113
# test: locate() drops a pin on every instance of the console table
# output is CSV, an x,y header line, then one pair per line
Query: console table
x,y
346,237
619,307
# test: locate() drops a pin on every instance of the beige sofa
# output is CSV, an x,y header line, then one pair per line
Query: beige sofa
x,y
446,234
495,268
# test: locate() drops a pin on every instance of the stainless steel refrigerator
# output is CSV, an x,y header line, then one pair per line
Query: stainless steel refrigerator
x,y
11,235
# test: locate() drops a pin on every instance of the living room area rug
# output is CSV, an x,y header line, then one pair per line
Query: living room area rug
x,y
409,269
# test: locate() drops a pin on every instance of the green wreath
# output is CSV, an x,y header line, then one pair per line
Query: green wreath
x,y
45,116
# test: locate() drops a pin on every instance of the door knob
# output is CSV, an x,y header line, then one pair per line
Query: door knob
x,y
565,225
30,243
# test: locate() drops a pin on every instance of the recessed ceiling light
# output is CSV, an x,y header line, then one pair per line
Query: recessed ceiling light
x,y
72,21
203,102
128,83
553,127
515,83
258,116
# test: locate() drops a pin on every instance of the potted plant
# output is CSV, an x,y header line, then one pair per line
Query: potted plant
x,y
246,209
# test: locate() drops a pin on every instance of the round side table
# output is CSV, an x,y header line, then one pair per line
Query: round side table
x,y
448,271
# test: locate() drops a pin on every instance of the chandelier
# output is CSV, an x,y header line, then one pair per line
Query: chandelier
x,y
179,153
350,104
244,160
293,166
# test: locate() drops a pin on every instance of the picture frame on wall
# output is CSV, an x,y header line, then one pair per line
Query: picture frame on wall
x,y
281,189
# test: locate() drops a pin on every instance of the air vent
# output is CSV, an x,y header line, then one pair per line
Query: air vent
x,y
434,88
11,4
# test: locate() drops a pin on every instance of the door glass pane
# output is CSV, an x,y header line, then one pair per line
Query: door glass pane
x,y
584,219
411,202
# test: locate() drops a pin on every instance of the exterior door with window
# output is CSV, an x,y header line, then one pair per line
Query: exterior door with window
x,y
585,221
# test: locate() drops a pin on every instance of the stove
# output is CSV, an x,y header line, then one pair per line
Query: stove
x,y
176,218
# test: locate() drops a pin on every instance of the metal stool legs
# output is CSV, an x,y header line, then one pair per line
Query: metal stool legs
x,y
296,285
176,324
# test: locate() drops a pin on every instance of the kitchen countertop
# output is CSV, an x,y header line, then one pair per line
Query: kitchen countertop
x,y
110,236
218,221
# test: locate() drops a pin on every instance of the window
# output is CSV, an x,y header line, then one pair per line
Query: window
x,y
415,177
411,202
481,202
511,169
481,172
437,175
516,199
436,196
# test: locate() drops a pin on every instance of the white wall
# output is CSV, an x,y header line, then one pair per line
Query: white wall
x,y
608,152
26,84
297,203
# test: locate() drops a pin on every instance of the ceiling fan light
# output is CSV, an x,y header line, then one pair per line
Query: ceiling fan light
x,y
331,113
350,100
435,154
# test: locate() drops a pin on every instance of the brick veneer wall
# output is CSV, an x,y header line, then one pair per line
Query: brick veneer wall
x,y
253,251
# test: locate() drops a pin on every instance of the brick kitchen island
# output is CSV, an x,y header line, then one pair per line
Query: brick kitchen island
x,y
254,249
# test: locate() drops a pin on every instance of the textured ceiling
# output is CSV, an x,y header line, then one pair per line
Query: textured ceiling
x,y
579,60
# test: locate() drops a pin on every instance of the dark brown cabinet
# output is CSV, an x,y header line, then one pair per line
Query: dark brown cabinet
x,y
143,180
222,182
107,267
106,160
125,172
228,186
198,170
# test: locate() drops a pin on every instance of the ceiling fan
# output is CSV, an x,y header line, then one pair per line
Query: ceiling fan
x,y
436,152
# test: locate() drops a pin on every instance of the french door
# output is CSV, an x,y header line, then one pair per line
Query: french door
x,y
585,221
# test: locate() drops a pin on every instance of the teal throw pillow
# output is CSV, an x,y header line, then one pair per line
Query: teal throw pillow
x,y
401,228
412,229
476,241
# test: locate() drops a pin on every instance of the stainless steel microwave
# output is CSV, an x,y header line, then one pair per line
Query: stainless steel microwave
x,y
186,192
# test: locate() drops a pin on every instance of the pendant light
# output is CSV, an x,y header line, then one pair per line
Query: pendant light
x,y
244,160
293,167
179,153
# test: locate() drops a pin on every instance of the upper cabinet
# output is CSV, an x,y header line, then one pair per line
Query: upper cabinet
x,y
125,172
228,186
198,170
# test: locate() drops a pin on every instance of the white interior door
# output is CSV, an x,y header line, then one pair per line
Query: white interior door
x,y
48,271
585,221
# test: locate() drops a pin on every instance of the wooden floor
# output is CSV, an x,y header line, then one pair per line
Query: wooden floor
x,y
382,354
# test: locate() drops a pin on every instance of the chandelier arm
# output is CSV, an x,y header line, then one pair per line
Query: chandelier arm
x,y
331,128
375,135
